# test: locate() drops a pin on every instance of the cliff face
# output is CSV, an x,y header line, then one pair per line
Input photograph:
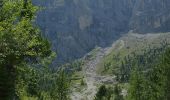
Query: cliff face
x,y
77,26
151,16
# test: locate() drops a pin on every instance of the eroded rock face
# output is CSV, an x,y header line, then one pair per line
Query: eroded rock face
x,y
76,26
151,16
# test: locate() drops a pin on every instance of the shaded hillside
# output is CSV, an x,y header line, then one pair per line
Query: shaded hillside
x,y
75,27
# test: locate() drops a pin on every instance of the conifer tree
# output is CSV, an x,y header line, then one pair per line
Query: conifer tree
x,y
61,89
102,92
136,85
117,93
166,64
20,42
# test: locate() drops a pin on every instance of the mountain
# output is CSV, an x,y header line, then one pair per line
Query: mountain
x,y
75,27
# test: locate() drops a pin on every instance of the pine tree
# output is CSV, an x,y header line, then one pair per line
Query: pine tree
x,y
20,42
61,88
166,64
102,92
136,85
117,93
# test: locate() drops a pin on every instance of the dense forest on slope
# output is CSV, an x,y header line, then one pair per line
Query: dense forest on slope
x,y
126,47
144,76
151,83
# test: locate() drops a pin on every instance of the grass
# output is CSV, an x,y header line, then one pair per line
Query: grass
x,y
76,81
111,62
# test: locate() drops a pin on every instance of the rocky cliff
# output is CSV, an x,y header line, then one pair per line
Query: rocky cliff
x,y
76,26
151,16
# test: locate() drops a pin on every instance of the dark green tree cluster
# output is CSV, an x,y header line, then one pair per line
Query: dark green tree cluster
x,y
143,61
20,42
104,93
109,93
101,93
25,56
151,83
61,87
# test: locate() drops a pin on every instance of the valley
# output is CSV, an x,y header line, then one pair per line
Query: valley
x,y
75,27
84,49
93,71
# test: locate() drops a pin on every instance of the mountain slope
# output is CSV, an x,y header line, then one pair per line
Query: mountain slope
x,y
133,43
94,72
75,27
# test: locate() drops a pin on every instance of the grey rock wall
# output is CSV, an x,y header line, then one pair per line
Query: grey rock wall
x,y
151,16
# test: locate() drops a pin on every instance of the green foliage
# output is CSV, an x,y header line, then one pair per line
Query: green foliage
x,y
166,73
117,93
82,82
104,93
142,62
20,39
136,86
101,93
151,83
61,87
21,45
42,83
26,82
